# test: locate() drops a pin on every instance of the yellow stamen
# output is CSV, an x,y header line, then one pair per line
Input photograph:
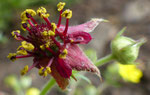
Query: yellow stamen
x,y
67,14
12,56
60,6
47,33
41,71
51,33
53,25
48,69
63,54
27,46
45,74
44,33
42,12
22,26
19,48
24,70
71,41
22,52
29,11
13,33
46,45
42,47
24,29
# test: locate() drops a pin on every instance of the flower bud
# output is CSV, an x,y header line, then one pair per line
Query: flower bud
x,y
124,49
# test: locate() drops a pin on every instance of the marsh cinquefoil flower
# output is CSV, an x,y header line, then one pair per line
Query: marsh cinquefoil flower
x,y
54,46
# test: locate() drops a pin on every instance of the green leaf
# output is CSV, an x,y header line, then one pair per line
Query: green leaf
x,y
83,77
121,32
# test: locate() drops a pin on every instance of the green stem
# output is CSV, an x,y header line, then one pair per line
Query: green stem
x,y
48,86
104,60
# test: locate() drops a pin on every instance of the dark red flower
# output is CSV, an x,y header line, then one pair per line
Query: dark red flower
x,y
54,46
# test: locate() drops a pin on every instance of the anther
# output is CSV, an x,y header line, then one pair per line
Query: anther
x,y
41,71
12,56
53,25
28,15
15,33
25,15
27,46
24,70
67,14
42,12
51,33
45,74
22,52
60,6
48,69
63,54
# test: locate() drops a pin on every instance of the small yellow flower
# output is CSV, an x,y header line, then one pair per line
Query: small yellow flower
x,y
130,73
33,91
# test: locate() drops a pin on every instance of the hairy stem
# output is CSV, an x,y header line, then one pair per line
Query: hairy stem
x,y
104,60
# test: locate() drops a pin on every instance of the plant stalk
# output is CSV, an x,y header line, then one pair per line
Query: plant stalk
x,y
104,60
48,86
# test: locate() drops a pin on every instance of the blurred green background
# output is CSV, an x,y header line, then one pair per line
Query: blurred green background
x,y
134,14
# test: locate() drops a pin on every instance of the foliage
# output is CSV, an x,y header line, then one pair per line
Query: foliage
x,y
21,86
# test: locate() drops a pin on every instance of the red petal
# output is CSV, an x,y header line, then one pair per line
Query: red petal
x,y
86,27
61,81
79,61
80,37
63,68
